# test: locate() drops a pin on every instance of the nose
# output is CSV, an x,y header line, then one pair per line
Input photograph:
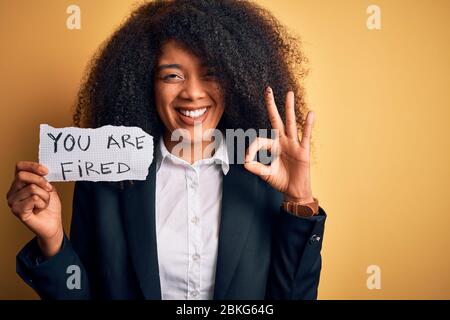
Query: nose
x,y
193,89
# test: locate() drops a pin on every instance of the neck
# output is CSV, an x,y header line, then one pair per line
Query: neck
x,y
189,151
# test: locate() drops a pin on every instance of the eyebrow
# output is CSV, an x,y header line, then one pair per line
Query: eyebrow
x,y
168,66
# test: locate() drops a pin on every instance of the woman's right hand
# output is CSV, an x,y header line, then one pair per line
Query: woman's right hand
x,y
36,203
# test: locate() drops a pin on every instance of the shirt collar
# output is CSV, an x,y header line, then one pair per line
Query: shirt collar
x,y
220,156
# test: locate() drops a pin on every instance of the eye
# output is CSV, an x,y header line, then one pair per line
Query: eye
x,y
172,76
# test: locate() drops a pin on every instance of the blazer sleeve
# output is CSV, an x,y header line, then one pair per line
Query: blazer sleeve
x,y
296,260
65,275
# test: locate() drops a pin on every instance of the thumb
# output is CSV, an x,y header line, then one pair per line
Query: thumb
x,y
261,170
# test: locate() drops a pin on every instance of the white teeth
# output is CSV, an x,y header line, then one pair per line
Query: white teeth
x,y
193,114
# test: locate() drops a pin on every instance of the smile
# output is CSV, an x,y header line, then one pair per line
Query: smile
x,y
192,113
193,116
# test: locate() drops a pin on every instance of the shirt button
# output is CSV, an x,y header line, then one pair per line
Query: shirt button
x,y
196,257
195,293
195,220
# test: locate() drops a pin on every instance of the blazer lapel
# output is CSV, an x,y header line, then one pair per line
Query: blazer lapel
x,y
238,208
139,208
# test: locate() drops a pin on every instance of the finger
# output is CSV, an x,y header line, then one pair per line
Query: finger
x,y
27,192
291,124
27,166
23,178
259,169
24,209
251,164
264,170
30,166
307,130
258,144
274,116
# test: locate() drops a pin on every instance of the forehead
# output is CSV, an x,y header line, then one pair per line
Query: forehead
x,y
173,52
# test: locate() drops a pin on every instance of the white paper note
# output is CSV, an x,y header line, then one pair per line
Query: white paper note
x,y
109,153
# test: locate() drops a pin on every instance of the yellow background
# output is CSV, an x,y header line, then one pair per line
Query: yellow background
x,y
382,154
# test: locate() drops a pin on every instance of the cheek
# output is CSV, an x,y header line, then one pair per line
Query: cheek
x,y
219,98
163,99
218,114
161,95
220,111
217,95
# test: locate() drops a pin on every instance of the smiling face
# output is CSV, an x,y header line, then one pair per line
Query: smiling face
x,y
187,95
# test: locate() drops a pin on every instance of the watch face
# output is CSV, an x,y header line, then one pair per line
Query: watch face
x,y
305,211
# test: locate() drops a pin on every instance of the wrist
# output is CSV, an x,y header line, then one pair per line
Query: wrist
x,y
300,200
302,207
51,246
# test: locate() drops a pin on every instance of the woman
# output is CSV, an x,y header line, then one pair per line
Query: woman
x,y
201,226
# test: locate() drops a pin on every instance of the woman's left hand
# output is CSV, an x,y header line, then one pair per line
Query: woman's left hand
x,y
289,172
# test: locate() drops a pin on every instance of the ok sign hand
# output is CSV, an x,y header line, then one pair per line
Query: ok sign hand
x,y
289,172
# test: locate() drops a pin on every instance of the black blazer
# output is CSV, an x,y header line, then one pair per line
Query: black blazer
x,y
264,252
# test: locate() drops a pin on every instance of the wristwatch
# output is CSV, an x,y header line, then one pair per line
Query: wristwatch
x,y
302,210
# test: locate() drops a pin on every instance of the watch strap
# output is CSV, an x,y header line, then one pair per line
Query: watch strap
x,y
302,210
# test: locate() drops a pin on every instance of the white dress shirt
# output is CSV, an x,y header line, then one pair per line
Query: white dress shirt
x,y
188,206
